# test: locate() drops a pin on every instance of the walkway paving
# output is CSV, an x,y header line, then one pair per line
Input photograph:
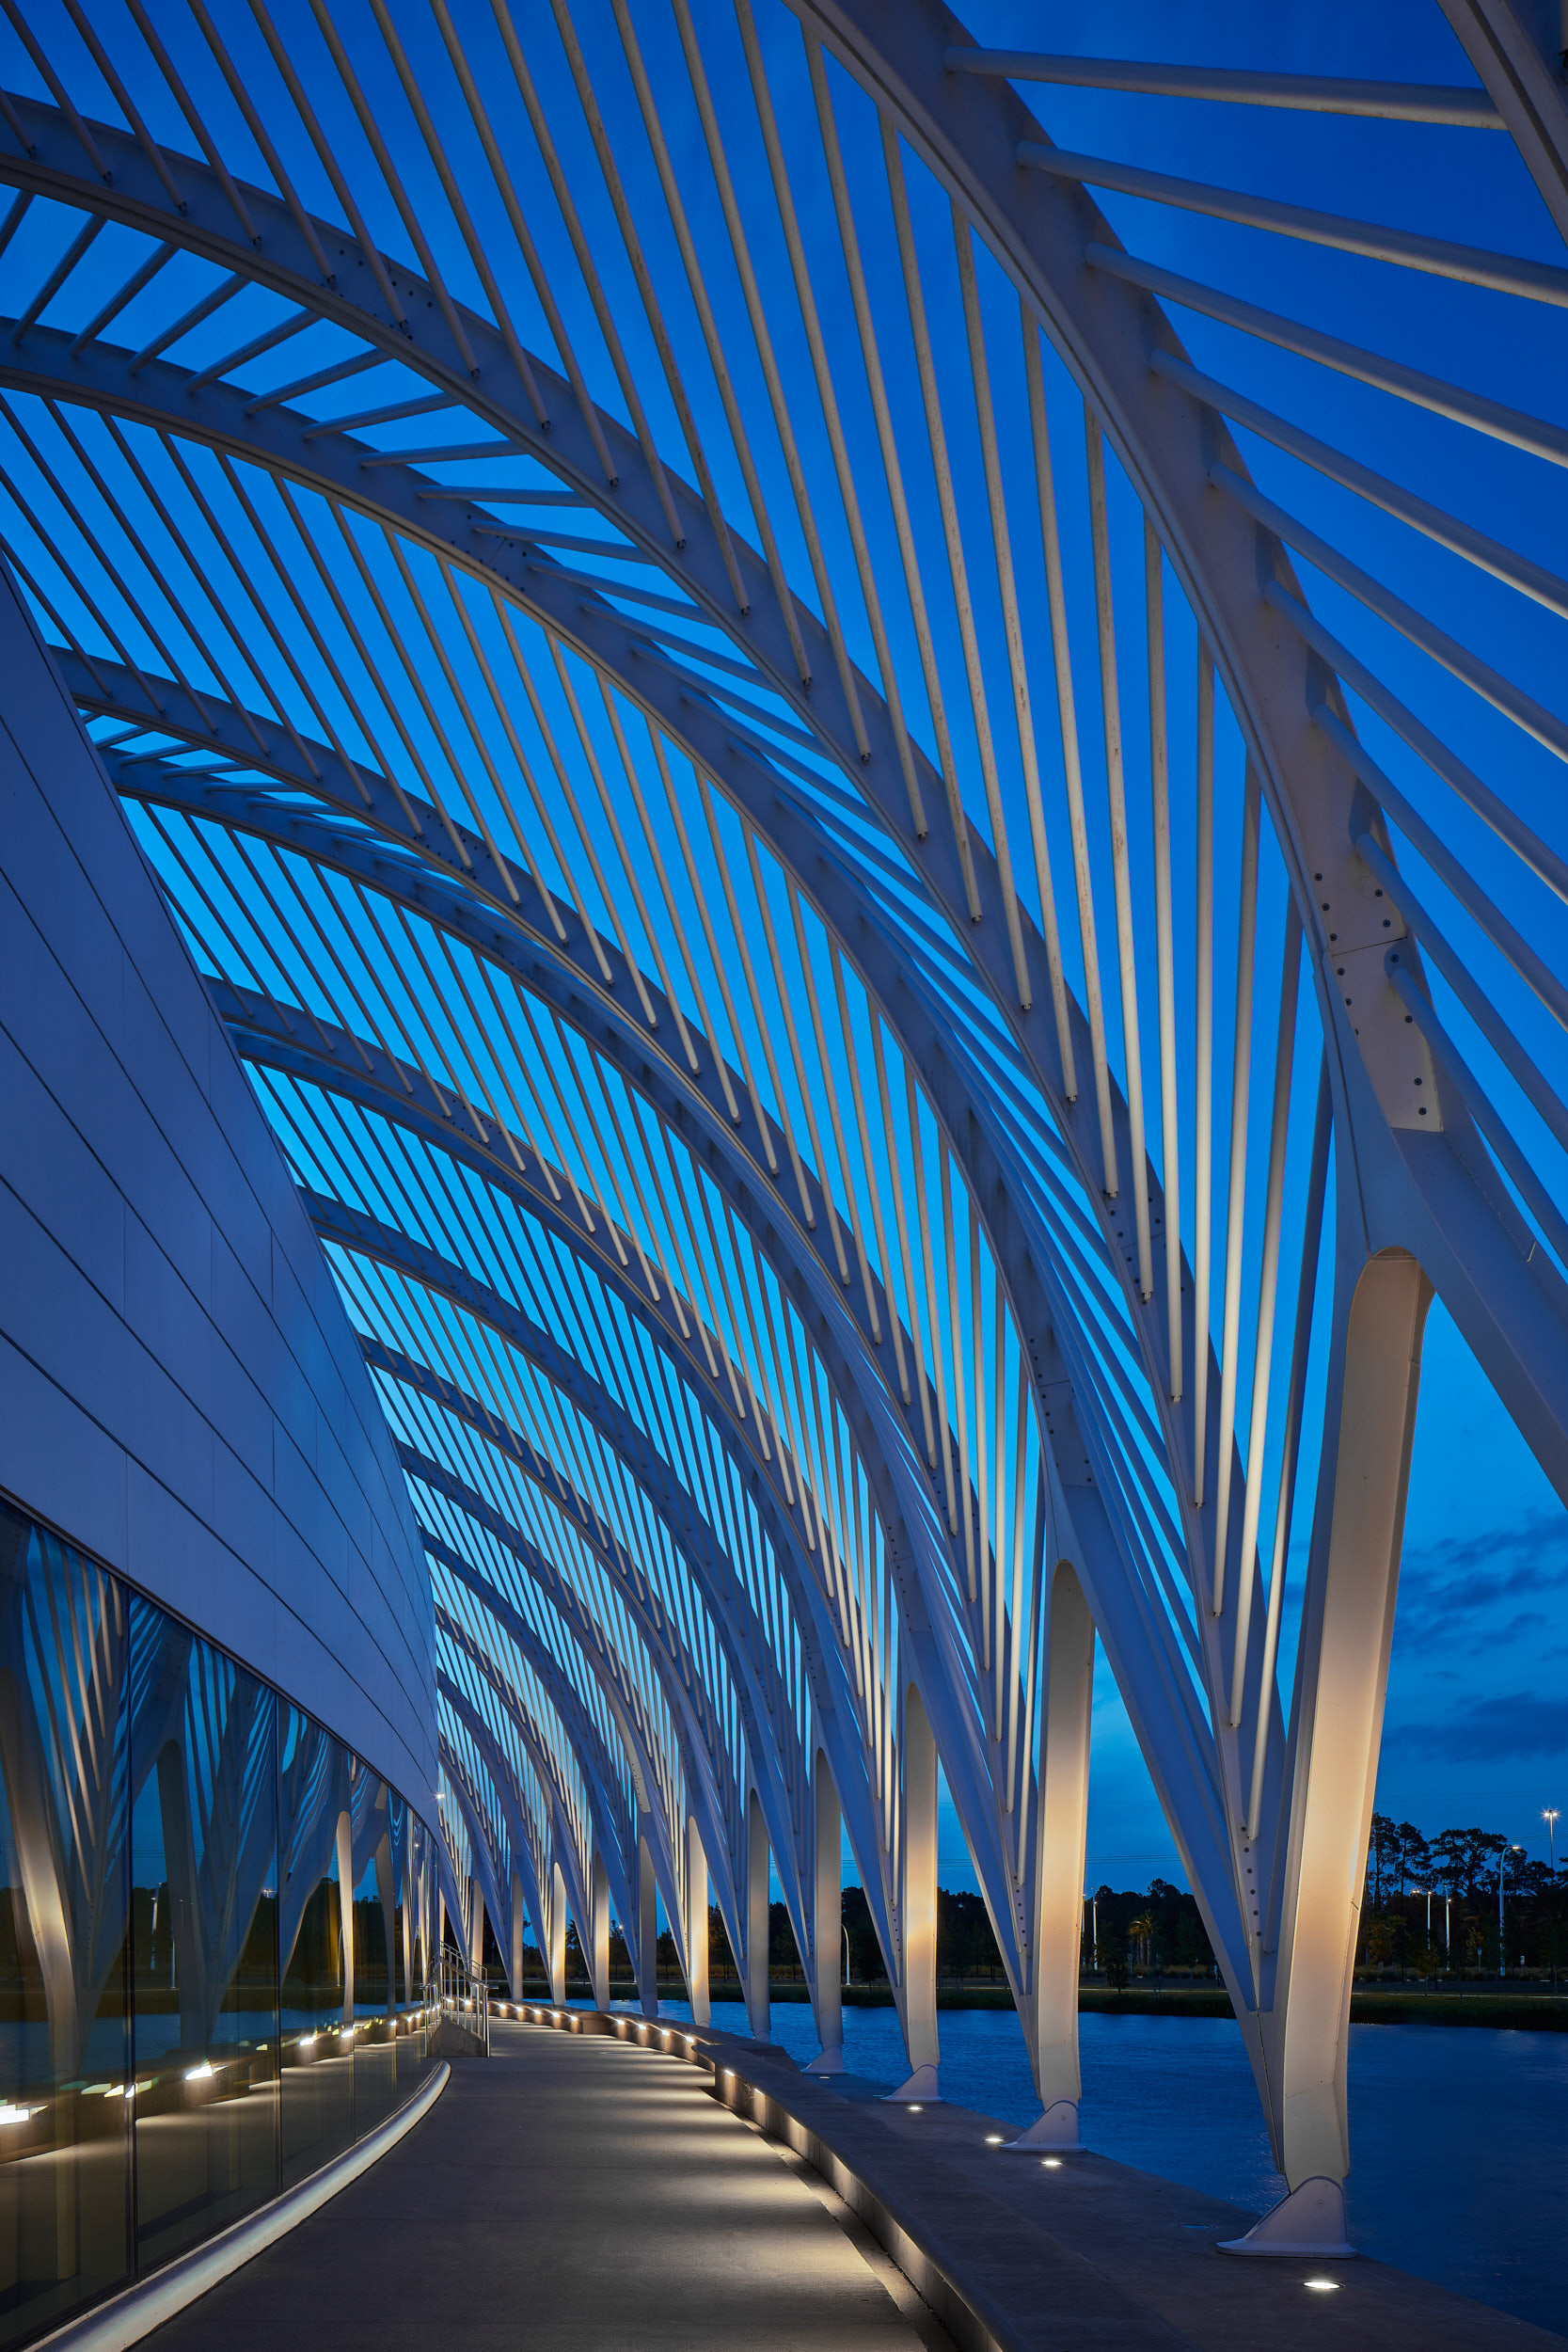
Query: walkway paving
x,y
582,2193
577,2194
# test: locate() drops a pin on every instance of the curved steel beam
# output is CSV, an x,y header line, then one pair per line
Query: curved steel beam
x,y
592,1760
563,1837
722,1595
1147,1334
485,1860
411,1105
712,1792
995,1162
1426,1185
609,1827
496,1523
525,1862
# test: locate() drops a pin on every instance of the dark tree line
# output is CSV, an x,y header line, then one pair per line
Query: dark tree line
x,y
1154,1931
1465,1900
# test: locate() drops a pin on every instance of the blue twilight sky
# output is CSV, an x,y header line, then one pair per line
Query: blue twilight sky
x,y
1477,1721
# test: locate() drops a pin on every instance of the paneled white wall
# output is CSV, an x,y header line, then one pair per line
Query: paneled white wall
x,y
180,1388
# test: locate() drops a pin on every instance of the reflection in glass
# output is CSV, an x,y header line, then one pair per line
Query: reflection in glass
x,y
204,1851
64,2029
177,1845
315,1937
376,2077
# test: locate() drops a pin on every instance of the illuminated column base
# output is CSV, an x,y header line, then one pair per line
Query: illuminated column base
x,y
826,1911
755,1965
647,1930
920,2090
598,1955
1311,2220
1056,2128
696,1926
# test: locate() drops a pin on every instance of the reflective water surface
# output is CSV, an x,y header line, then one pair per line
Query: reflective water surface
x,y
1459,2158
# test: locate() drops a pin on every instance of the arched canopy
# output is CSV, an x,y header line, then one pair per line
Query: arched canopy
x,y
870,829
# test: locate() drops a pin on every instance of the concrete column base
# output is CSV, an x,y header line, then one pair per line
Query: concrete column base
x,y
920,2090
1056,2128
1311,2220
826,2063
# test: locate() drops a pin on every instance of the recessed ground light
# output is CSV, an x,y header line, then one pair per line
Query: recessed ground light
x,y
916,2107
1322,2286
1052,2164
993,2140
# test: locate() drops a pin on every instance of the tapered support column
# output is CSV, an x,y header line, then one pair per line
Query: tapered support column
x,y
519,1922
755,1961
386,1887
918,1901
696,1926
826,1996
1347,1630
345,1908
1062,1832
476,1927
555,1959
597,1953
647,1930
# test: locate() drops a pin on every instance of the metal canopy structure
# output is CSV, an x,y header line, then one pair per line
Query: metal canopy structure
x,y
889,861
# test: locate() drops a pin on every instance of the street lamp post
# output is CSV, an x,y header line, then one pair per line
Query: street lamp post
x,y
1550,1817
1427,1892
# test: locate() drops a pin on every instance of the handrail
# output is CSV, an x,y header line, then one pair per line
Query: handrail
x,y
464,1995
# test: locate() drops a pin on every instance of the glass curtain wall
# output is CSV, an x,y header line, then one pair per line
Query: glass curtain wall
x,y
214,1920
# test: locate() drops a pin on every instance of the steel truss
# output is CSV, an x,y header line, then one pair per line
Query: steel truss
x,y
783,1417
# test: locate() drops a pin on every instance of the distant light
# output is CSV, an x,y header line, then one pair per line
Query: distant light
x,y
200,2073
307,2041
993,2140
1052,2164
1322,2286
15,2115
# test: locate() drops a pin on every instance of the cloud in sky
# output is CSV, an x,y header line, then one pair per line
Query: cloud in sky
x,y
1457,1588
1506,1724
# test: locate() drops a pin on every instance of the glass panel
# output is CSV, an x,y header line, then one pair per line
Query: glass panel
x,y
64,2023
204,1850
317,2061
376,2064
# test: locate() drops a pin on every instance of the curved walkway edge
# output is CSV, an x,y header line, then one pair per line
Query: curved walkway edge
x,y
1023,2256
126,2318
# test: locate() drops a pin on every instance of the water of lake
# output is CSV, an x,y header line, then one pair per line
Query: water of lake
x,y
1460,2156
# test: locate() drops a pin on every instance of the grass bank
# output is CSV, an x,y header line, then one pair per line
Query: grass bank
x,y
1417,2005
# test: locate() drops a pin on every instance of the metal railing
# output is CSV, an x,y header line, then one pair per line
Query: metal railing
x,y
463,1996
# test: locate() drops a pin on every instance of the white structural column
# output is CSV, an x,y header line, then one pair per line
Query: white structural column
x,y
519,1922
1058,1923
597,1939
917,1901
647,1928
1368,1427
753,1960
696,1924
345,1907
476,1928
827,1912
555,1928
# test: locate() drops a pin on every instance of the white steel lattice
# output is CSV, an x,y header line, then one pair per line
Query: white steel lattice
x,y
896,923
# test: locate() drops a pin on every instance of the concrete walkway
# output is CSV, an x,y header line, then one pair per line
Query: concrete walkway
x,y
577,2194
